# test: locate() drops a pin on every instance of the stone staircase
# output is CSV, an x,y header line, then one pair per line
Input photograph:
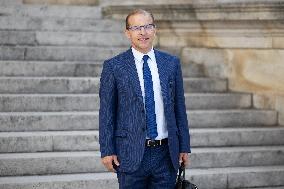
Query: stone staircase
x,y
50,64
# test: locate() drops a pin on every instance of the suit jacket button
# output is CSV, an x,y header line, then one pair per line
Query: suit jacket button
x,y
143,111
143,129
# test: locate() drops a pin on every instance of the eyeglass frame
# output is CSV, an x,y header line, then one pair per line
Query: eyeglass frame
x,y
139,28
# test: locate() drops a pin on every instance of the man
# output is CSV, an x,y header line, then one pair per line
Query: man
x,y
143,123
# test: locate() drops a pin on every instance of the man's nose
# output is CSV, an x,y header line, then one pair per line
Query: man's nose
x,y
142,30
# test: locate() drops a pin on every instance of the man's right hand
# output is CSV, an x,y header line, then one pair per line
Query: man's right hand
x,y
108,162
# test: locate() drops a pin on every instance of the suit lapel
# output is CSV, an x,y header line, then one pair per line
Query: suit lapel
x,y
163,73
133,75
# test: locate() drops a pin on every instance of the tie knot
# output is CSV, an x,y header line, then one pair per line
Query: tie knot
x,y
145,58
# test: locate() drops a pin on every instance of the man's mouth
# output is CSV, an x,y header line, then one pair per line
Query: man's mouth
x,y
143,39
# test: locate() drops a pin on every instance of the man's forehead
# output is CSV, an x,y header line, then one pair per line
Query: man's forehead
x,y
139,16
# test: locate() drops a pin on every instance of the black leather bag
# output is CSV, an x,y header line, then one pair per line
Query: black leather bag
x,y
181,183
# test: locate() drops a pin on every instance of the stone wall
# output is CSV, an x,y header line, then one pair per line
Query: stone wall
x,y
235,39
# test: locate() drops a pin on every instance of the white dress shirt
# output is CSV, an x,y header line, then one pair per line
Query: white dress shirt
x,y
159,104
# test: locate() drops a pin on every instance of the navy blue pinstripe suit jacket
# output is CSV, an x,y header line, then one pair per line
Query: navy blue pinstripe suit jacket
x,y
122,125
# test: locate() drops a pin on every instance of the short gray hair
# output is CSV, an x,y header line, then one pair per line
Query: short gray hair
x,y
137,11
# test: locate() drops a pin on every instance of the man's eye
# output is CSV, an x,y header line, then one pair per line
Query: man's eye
x,y
136,28
148,27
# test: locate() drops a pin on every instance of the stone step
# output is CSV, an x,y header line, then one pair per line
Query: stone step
x,y
250,136
67,69
90,102
48,121
59,53
231,118
236,156
44,11
24,85
207,101
50,69
13,164
238,177
130,3
201,10
56,121
142,2
43,85
101,39
212,178
48,102
50,163
49,141
5,3
280,187
59,24
88,140
65,2
205,85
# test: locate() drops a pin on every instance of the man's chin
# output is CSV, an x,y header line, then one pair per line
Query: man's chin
x,y
146,47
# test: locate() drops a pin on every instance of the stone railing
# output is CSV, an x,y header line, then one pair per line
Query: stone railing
x,y
236,39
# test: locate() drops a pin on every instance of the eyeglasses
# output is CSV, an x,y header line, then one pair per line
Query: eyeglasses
x,y
148,27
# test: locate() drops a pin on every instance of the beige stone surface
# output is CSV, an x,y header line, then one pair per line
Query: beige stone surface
x,y
278,42
214,61
201,10
256,70
248,70
212,41
223,28
270,101
63,2
263,101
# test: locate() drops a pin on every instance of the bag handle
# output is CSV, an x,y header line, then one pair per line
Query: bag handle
x,y
181,172
181,176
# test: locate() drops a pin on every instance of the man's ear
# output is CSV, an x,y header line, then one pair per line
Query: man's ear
x,y
155,32
127,34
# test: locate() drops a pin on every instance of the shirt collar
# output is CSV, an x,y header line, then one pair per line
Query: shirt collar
x,y
139,56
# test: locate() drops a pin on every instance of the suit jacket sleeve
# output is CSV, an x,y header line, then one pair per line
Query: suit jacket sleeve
x,y
107,113
180,112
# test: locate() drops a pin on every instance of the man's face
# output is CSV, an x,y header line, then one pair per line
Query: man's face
x,y
141,37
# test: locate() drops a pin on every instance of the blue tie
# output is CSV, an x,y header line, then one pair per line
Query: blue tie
x,y
149,100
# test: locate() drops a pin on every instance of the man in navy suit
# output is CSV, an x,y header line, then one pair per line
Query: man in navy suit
x,y
143,124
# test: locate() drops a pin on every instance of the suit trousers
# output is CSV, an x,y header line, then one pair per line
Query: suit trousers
x,y
155,171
